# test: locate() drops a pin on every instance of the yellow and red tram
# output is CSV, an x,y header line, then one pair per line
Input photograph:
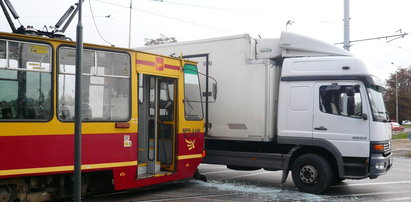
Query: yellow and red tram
x,y
142,118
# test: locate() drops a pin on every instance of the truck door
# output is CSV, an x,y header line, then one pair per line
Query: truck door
x,y
340,117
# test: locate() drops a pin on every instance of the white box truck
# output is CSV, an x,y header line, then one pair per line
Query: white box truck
x,y
293,104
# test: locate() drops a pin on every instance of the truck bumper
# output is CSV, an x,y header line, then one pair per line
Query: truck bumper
x,y
379,165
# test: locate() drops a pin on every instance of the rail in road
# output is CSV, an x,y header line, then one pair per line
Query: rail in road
x,y
260,185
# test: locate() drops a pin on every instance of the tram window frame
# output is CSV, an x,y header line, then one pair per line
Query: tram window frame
x,y
95,77
188,103
36,61
166,100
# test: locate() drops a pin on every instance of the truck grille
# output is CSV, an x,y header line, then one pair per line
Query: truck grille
x,y
385,151
387,148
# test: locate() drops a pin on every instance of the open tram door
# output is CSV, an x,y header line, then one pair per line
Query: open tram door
x,y
157,125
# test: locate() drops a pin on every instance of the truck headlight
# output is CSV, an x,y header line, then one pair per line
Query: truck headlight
x,y
380,166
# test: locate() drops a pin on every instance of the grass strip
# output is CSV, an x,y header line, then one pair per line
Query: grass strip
x,y
400,136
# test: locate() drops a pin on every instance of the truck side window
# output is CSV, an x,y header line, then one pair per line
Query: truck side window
x,y
340,100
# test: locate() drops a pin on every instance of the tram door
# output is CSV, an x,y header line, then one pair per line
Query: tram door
x,y
157,125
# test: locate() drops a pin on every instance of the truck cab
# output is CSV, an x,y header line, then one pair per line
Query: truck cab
x,y
331,101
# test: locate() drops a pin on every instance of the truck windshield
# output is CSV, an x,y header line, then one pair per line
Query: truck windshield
x,y
379,113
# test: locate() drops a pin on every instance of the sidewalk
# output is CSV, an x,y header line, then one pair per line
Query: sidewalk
x,y
401,147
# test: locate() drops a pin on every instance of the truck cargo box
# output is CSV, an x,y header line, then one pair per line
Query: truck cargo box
x,y
233,63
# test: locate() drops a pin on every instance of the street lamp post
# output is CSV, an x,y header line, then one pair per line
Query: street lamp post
x,y
396,96
396,91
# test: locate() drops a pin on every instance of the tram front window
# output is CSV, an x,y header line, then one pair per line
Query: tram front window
x,y
192,98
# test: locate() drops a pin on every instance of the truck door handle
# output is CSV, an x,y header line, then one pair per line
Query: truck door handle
x,y
320,128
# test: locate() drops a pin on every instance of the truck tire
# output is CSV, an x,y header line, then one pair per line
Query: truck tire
x,y
312,173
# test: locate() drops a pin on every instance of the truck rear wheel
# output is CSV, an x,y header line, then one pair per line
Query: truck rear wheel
x,y
312,173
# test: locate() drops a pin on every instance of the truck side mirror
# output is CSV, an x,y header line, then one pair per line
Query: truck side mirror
x,y
214,91
357,88
350,91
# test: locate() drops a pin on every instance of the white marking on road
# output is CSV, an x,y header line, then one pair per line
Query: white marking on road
x,y
371,194
373,183
400,199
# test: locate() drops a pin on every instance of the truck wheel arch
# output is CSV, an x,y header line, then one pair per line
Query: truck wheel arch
x,y
315,145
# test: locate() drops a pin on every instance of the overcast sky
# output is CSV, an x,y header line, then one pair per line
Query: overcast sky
x,y
199,19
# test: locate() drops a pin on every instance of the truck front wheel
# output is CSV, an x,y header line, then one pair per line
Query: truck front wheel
x,y
312,173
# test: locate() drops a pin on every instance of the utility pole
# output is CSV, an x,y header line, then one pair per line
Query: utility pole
x,y
129,25
396,90
77,108
347,25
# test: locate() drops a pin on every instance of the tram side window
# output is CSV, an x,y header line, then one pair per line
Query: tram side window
x,y
3,53
105,86
25,81
193,107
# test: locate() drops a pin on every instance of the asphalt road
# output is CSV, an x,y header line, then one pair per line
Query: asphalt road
x,y
260,185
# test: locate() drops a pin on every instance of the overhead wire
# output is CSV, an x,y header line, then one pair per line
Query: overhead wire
x,y
110,16
95,24
200,6
165,16
115,12
116,20
397,46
